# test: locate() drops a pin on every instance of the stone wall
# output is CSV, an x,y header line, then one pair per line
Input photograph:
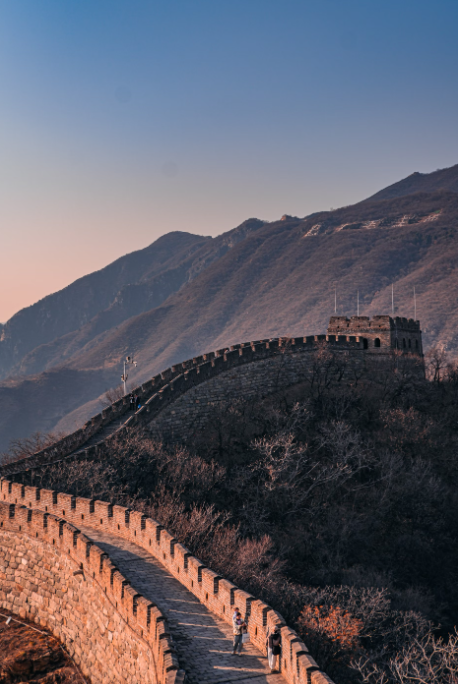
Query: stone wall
x,y
156,394
55,576
239,372
185,417
24,511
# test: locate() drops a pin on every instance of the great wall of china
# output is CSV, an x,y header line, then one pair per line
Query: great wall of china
x,y
129,602
180,399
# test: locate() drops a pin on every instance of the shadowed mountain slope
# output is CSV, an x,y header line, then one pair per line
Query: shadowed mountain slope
x,y
51,331
260,280
74,306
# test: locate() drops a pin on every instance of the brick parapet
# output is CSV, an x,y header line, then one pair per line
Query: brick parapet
x,y
25,512
90,579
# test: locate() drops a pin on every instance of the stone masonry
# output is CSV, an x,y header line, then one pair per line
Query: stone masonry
x,y
130,603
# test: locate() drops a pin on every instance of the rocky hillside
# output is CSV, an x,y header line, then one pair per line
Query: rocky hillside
x,y
260,280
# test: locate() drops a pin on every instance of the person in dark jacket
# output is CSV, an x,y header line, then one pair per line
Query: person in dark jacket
x,y
274,648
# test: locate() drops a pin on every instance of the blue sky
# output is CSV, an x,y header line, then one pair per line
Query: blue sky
x,y
124,120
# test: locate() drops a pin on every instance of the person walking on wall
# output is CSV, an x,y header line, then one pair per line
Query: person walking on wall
x,y
239,627
132,402
274,648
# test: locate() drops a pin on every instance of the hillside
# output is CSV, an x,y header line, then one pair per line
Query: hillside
x,y
261,280
47,333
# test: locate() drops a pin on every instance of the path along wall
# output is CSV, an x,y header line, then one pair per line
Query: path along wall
x,y
56,521
55,576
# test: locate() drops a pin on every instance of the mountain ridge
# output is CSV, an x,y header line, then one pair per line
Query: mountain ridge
x,y
263,279
442,179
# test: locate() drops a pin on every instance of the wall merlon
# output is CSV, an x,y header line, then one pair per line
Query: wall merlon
x,y
136,518
243,600
274,619
306,666
31,494
17,492
65,502
297,647
318,677
210,581
68,535
166,540
119,516
102,510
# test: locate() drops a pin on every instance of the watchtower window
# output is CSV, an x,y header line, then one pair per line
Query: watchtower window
x,y
416,345
377,342
410,344
404,342
364,343
396,344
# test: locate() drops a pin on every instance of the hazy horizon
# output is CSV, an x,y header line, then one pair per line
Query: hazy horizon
x,y
122,122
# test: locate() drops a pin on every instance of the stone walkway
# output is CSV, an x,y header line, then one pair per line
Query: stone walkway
x,y
203,641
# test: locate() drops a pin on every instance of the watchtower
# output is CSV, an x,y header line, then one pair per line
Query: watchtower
x,y
381,333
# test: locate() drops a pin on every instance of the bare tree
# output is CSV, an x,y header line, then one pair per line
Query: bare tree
x,y
28,446
429,660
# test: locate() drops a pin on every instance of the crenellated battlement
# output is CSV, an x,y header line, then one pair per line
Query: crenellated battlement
x,y
80,586
52,519
383,333
376,322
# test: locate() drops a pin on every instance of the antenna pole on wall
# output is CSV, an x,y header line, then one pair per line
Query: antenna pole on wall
x,y
392,299
414,303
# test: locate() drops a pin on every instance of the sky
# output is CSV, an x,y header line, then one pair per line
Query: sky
x,y
122,120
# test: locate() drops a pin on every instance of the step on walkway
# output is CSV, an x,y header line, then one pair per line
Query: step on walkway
x,y
203,641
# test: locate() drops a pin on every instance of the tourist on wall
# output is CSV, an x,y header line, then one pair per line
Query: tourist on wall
x,y
132,402
274,648
239,628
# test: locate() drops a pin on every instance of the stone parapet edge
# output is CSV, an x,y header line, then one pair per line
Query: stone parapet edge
x,y
139,614
65,512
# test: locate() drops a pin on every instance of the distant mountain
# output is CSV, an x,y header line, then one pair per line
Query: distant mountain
x,y
442,179
48,333
259,280
74,306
